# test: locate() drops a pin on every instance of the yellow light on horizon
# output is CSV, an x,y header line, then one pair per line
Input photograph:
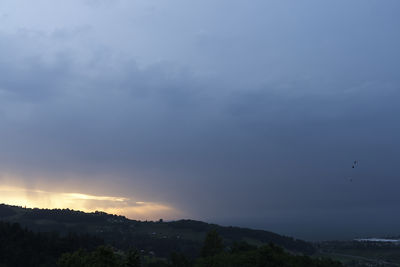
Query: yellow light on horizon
x,y
139,210
78,196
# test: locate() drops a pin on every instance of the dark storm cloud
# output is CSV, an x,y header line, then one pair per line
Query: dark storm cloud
x,y
257,120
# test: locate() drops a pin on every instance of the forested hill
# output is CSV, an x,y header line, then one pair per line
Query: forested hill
x,y
21,247
160,238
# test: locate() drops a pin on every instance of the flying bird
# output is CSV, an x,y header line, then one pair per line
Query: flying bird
x,y
355,163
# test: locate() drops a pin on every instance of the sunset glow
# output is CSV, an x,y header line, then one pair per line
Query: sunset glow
x,y
139,210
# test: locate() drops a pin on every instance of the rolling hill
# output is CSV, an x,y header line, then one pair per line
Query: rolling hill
x,y
159,238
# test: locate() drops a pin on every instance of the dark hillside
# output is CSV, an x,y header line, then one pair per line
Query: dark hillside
x,y
235,234
159,238
21,247
6,211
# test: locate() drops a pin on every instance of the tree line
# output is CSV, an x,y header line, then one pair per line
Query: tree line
x,y
213,254
22,247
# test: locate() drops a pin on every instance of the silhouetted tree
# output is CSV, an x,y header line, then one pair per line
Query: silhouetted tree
x,y
212,244
77,259
132,258
104,257
179,260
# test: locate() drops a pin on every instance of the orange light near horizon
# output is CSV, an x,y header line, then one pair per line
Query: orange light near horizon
x,y
78,196
138,210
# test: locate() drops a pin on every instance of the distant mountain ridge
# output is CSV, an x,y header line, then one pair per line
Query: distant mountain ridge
x,y
160,238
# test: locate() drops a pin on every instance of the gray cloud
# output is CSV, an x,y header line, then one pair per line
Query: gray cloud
x,y
251,118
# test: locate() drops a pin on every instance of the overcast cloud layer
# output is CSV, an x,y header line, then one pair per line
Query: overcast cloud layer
x,y
237,112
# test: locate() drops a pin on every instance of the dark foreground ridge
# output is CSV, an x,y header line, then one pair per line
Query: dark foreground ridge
x,y
67,238
162,238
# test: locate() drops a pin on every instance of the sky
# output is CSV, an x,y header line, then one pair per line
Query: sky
x,y
245,113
